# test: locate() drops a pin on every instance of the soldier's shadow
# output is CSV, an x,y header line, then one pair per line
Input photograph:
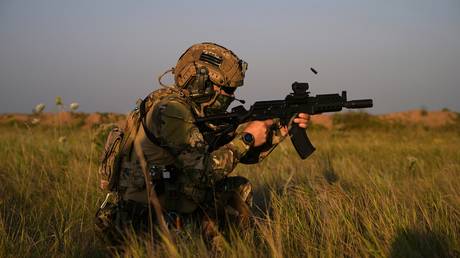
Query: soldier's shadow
x,y
412,243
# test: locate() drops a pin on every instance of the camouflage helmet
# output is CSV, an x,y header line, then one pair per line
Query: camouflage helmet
x,y
219,66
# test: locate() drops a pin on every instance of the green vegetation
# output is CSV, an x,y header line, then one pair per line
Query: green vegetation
x,y
364,192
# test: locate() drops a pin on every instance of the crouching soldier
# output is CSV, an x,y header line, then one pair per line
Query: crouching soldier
x,y
162,143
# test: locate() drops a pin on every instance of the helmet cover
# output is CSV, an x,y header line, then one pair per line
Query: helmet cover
x,y
221,66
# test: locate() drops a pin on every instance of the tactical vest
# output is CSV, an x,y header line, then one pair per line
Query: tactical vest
x,y
119,143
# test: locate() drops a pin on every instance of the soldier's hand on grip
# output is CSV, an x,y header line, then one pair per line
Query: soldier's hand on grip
x,y
259,129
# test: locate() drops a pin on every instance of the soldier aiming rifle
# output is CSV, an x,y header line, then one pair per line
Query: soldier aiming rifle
x,y
181,145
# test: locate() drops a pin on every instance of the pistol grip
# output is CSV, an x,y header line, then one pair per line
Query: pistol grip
x,y
299,139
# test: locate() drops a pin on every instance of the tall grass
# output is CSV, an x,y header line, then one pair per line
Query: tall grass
x,y
366,192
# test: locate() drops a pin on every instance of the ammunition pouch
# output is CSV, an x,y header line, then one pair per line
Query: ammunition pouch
x,y
175,192
164,178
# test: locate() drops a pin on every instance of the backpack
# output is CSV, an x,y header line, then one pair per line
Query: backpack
x,y
117,145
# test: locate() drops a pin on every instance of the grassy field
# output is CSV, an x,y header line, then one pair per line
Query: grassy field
x,y
368,191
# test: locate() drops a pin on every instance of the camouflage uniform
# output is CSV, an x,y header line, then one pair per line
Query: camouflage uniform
x,y
199,172
197,179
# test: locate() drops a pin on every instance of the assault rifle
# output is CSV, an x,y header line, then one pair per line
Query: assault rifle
x,y
217,129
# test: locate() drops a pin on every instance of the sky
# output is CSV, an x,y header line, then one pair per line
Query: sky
x,y
105,54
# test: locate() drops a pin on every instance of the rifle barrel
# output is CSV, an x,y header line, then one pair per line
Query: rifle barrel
x,y
359,103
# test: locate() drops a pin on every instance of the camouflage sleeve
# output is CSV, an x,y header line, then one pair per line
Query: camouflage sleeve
x,y
176,129
257,154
